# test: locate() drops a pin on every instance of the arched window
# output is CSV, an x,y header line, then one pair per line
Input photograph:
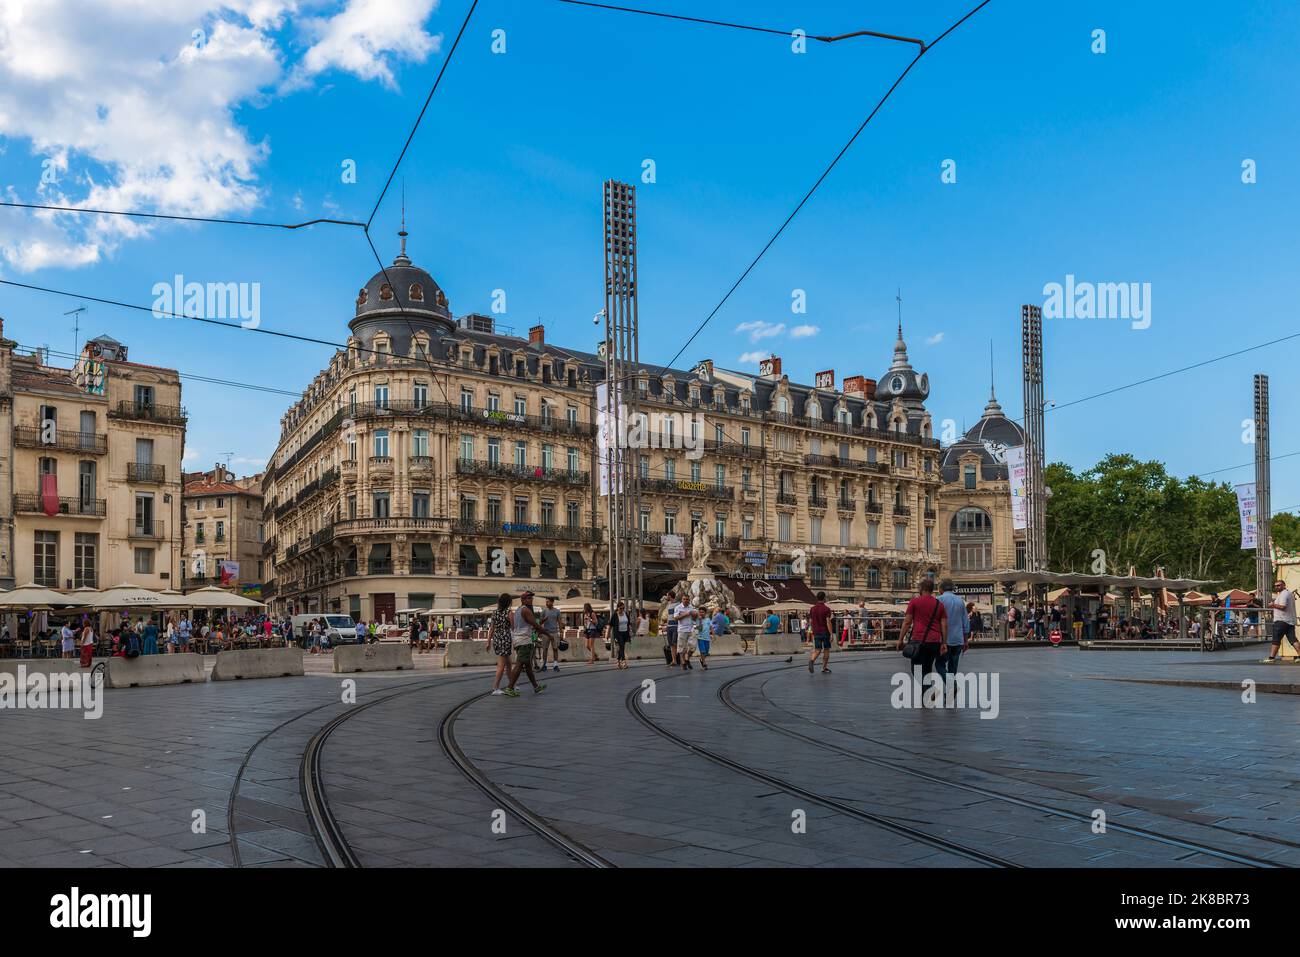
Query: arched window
x,y
814,409
361,298
970,540
385,291
416,293
782,404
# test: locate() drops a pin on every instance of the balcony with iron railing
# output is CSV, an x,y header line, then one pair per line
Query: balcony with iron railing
x,y
841,462
143,472
874,508
526,473
90,443
930,515
399,408
902,510
148,412
816,501
786,498
682,487
845,505
562,533
81,507
151,531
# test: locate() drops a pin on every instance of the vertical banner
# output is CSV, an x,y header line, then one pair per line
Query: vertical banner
x,y
1249,517
1016,472
229,572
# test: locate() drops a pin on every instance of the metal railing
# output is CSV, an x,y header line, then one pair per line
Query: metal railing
x,y
148,412
529,473
94,443
90,507
142,472
154,530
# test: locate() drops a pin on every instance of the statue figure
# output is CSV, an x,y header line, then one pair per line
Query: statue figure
x,y
700,550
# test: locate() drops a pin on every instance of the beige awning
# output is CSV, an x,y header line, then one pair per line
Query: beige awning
x,y
32,595
133,596
214,597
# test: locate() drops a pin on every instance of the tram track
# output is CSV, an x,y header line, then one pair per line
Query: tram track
x,y
633,704
725,696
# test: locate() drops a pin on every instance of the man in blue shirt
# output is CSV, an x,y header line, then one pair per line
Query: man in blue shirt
x,y
958,629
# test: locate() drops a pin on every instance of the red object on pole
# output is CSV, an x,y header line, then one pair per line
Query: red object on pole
x,y
50,494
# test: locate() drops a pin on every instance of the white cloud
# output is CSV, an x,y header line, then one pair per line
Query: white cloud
x,y
134,111
803,332
747,357
367,36
758,329
935,339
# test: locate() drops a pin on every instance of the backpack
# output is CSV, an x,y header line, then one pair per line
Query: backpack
x,y
132,645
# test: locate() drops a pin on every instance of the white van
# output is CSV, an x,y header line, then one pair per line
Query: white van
x,y
342,629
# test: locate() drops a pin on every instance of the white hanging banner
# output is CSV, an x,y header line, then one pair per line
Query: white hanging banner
x,y
1019,501
1249,517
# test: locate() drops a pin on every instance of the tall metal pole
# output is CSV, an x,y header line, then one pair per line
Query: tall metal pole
x,y
622,474
1263,496
1031,334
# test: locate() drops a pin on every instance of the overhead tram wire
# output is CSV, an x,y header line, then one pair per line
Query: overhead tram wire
x,y
825,173
180,218
433,89
740,26
184,375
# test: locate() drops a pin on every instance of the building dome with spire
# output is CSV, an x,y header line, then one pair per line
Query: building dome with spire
x,y
990,437
401,300
901,381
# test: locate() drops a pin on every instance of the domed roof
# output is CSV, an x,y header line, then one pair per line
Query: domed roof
x,y
991,436
901,381
398,299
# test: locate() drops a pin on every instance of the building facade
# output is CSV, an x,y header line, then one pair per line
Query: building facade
x,y
975,527
437,462
224,531
91,469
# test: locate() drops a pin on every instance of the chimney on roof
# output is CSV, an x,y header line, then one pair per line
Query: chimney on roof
x,y
859,386
770,368
537,335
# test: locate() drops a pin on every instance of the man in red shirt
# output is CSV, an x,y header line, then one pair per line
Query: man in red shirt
x,y
926,622
819,623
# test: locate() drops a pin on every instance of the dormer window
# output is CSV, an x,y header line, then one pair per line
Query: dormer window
x,y
897,384
361,298
416,293
385,291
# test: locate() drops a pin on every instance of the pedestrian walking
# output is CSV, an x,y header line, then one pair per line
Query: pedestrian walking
x,y
550,632
687,622
819,620
956,630
670,636
1283,606
150,638
87,644
703,637
590,631
523,634
499,639
619,633
925,623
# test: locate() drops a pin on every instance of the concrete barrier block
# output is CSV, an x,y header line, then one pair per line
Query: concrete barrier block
x,y
787,643
376,657
258,663
466,652
728,645
41,666
148,671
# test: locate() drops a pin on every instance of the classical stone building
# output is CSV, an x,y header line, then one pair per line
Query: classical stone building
x,y
975,531
224,531
437,461
90,469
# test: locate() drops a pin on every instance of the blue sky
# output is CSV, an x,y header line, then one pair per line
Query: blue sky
x,y
1117,167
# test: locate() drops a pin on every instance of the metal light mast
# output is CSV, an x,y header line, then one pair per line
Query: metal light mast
x,y
620,466
1263,494
1031,334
